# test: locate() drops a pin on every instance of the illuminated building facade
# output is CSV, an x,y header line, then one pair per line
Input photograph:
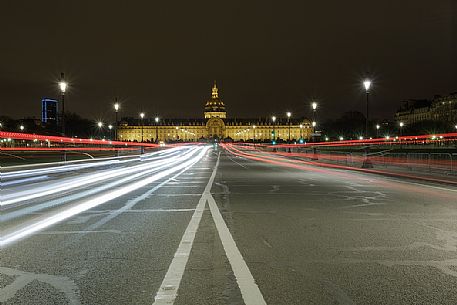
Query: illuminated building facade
x,y
216,126
440,108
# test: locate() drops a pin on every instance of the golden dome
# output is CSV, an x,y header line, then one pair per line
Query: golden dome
x,y
215,104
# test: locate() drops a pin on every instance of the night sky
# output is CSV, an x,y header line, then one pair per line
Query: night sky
x,y
268,57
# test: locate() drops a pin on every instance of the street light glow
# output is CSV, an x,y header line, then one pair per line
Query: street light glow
x,y
63,86
402,124
314,105
273,118
367,84
341,138
110,127
21,127
100,124
288,114
116,107
314,124
157,119
377,126
142,115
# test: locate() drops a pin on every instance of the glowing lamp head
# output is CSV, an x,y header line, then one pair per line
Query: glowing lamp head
x,y
116,107
402,124
63,86
301,125
341,138
314,124
254,126
100,124
110,127
289,114
314,105
377,126
142,115
360,138
21,127
367,84
273,118
156,119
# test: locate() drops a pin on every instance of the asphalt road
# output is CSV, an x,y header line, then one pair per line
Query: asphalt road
x,y
205,226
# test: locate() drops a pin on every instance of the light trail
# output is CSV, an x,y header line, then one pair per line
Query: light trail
x,y
101,199
57,167
72,183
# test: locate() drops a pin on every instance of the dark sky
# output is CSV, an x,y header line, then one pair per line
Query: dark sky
x,y
267,56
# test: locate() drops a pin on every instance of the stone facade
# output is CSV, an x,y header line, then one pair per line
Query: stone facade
x,y
216,125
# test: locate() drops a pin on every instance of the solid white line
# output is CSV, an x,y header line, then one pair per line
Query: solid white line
x,y
168,290
249,290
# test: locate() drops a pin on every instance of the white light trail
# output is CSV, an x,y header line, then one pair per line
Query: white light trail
x,y
96,201
72,183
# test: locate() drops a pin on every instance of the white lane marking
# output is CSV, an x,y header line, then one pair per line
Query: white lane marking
x,y
249,290
22,279
245,167
168,290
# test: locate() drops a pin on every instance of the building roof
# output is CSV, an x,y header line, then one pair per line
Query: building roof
x,y
214,104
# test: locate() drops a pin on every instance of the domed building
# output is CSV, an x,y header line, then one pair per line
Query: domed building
x,y
216,126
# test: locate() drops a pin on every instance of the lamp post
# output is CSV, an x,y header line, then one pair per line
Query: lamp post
x,y
273,119
401,124
301,133
289,114
377,130
253,128
314,106
367,85
110,127
157,128
63,87
142,125
100,130
116,110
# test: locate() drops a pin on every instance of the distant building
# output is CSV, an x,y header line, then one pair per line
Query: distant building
x,y
49,111
440,108
216,125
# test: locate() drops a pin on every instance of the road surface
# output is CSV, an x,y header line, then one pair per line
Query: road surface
x,y
201,225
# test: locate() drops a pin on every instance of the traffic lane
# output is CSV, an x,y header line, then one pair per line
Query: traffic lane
x,y
316,237
122,261
70,195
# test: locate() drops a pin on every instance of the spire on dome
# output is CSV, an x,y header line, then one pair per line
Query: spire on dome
x,y
214,93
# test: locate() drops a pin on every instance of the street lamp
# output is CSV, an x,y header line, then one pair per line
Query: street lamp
x,y
116,110
301,133
401,131
253,128
142,125
100,130
401,127
377,130
273,118
314,106
156,119
22,127
289,114
367,85
63,88
110,127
